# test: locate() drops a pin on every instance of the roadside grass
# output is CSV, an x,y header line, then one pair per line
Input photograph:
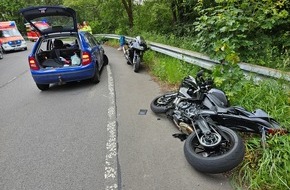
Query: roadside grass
x,y
166,69
262,169
265,169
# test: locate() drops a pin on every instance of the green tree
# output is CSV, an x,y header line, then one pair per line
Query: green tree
x,y
9,9
158,19
128,5
244,29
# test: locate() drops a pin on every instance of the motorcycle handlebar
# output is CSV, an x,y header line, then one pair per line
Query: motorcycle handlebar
x,y
199,74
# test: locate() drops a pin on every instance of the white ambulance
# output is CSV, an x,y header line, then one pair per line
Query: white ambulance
x,y
10,37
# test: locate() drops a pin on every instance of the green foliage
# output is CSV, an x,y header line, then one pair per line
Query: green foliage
x,y
245,30
158,19
270,95
267,168
230,78
167,69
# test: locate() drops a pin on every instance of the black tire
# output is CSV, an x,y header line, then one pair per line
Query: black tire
x,y
42,87
222,158
1,52
136,65
161,104
96,77
106,60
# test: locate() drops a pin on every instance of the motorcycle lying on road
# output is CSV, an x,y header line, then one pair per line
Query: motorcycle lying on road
x,y
134,52
208,124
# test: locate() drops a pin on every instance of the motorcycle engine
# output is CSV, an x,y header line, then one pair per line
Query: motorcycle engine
x,y
184,110
188,108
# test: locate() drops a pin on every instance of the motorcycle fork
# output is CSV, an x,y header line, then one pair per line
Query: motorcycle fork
x,y
135,57
203,125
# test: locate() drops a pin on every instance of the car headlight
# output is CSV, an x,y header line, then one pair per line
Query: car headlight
x,y
4,45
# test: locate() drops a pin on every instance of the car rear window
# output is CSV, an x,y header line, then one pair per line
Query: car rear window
x,y
55,23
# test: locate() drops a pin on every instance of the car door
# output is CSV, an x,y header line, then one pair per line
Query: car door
x,y
95,50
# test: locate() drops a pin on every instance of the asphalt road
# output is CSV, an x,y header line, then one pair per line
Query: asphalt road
x,y
91,137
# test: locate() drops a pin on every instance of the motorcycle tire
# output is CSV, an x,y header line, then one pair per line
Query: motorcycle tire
x,y
136,65
161,104
222,158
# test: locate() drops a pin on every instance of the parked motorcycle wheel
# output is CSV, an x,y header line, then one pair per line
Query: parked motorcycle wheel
x,y
161,104
136,65
222,158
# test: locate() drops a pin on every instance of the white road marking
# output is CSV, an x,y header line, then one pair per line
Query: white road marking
x,y
14,78
111,162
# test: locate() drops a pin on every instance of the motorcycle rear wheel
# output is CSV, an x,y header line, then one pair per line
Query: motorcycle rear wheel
x,y
161,104
222,158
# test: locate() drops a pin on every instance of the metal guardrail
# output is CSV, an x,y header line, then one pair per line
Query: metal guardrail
x,y
203,60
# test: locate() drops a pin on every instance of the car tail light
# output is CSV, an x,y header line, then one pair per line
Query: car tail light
x,y
32,63
86,58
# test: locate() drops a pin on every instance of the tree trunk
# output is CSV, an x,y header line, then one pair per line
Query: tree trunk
x,y
129,9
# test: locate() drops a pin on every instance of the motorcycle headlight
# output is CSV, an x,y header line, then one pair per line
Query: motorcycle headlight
x,y
141,48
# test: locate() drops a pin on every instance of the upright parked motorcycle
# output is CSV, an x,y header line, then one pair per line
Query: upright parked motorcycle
x,y
134,52
207,123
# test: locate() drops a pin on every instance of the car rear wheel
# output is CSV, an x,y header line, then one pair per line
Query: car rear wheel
x,y
96,77
42,87
106,60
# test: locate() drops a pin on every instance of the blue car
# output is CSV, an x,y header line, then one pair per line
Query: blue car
x,y
62,53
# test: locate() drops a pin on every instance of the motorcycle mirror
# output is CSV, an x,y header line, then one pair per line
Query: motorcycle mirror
x,y
200,73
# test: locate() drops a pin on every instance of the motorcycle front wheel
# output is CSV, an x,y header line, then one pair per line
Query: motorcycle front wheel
x,y
221,158
136,65
161,104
